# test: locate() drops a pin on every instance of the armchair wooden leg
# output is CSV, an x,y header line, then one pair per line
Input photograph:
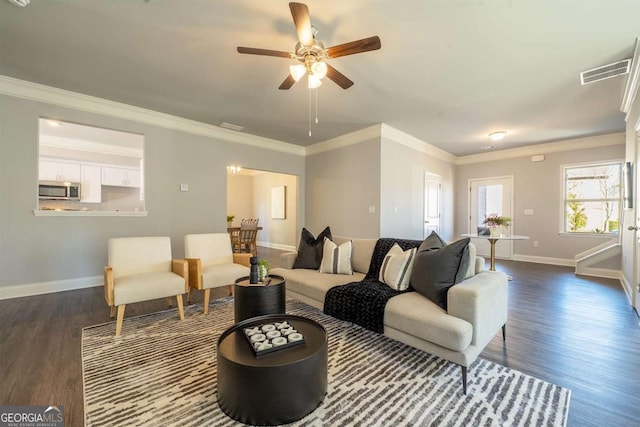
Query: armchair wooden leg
x,y
207,294
180,307
120,319
112,311
169,302
230,287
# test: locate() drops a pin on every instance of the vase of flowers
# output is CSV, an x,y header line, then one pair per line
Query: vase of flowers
x,y
496,224
230,220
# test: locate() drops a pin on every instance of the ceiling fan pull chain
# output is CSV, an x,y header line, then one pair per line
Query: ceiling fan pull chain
x,y
309,112
316,105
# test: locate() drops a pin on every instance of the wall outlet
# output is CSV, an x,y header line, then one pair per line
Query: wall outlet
x,y
184,187
535,244
372,209
528,211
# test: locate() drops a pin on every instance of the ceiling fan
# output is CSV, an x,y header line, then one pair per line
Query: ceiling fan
x,y
312,53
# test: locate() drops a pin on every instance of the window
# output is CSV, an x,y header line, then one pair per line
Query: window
x,y
592,198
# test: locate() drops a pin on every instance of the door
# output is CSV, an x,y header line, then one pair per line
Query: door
x,y
432,200
491,196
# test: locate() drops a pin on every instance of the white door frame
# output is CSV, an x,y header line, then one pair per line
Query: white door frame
x,y
505,245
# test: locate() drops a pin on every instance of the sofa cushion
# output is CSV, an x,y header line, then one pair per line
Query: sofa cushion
x,y
416,315
336,259
310,249
396,267
312,283
435,271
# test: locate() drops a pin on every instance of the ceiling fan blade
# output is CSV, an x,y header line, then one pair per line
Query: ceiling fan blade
x,y
338,78
265,52
357,46
287,83
302,21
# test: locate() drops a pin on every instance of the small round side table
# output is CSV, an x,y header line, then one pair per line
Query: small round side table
x,y
253,300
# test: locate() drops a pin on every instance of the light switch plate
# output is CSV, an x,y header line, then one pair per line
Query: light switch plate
x,y
184,187
528,211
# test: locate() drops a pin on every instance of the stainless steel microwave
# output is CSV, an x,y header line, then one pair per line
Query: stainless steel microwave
x,y
58,190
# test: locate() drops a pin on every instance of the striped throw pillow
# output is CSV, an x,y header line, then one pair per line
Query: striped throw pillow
x,y
396,267
336,259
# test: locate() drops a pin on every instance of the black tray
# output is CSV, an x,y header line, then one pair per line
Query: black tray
x,y
286,332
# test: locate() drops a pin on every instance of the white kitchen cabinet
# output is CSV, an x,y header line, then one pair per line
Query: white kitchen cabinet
x,y
59,171
91,184
121,177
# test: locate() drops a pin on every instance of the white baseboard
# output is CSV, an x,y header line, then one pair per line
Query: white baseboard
x,y
30,289
277,246
545,260
606,273
628,289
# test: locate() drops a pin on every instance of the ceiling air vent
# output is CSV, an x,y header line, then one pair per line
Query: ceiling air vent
x,y
619,68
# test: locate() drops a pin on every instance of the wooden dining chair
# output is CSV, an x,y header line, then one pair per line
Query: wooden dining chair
x,y
248,222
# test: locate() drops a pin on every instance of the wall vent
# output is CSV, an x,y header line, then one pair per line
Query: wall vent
x,y
619,68
231,126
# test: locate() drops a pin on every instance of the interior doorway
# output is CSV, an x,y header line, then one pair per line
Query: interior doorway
x,y
432,203
491,196
250,194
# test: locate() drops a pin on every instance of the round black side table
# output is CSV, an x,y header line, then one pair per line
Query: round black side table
x,y
274,388
251,300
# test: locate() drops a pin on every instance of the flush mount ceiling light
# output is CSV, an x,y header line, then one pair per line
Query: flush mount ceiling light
x,y
21,3
497,136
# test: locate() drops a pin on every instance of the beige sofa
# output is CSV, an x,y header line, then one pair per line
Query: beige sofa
x,y
477,307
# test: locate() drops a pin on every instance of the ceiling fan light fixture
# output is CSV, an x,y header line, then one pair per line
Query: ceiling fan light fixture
x,y
297,71
319,69
497,136
314,81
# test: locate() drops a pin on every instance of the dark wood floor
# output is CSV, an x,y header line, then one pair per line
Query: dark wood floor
x,y
577,332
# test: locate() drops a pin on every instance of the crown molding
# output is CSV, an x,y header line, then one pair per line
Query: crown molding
x,y
37,92
549,147
633,81
356,137
410,141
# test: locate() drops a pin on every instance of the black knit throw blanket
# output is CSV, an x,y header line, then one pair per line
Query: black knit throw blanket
x,y
363,302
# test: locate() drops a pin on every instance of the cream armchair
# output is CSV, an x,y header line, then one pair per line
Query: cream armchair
x,y
141,269
212,264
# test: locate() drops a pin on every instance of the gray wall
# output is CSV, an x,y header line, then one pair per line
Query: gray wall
x,y
342,184
43,249
402,187
277,232
537,186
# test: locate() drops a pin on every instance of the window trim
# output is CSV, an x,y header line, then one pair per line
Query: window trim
x,y
563,201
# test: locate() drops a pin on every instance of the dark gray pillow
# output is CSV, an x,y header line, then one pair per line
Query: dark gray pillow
x,y
435,271
310,249
432,242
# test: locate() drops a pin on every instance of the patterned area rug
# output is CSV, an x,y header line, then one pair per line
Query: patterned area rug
x,y
162,372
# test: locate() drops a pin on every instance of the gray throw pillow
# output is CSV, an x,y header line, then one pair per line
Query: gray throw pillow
x,y
432,242
435,271
310,249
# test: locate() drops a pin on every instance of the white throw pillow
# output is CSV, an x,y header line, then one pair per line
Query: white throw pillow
x,y
336,259
396,267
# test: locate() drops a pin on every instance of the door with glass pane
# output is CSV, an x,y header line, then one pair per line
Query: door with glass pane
x,y
432,197
491,196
